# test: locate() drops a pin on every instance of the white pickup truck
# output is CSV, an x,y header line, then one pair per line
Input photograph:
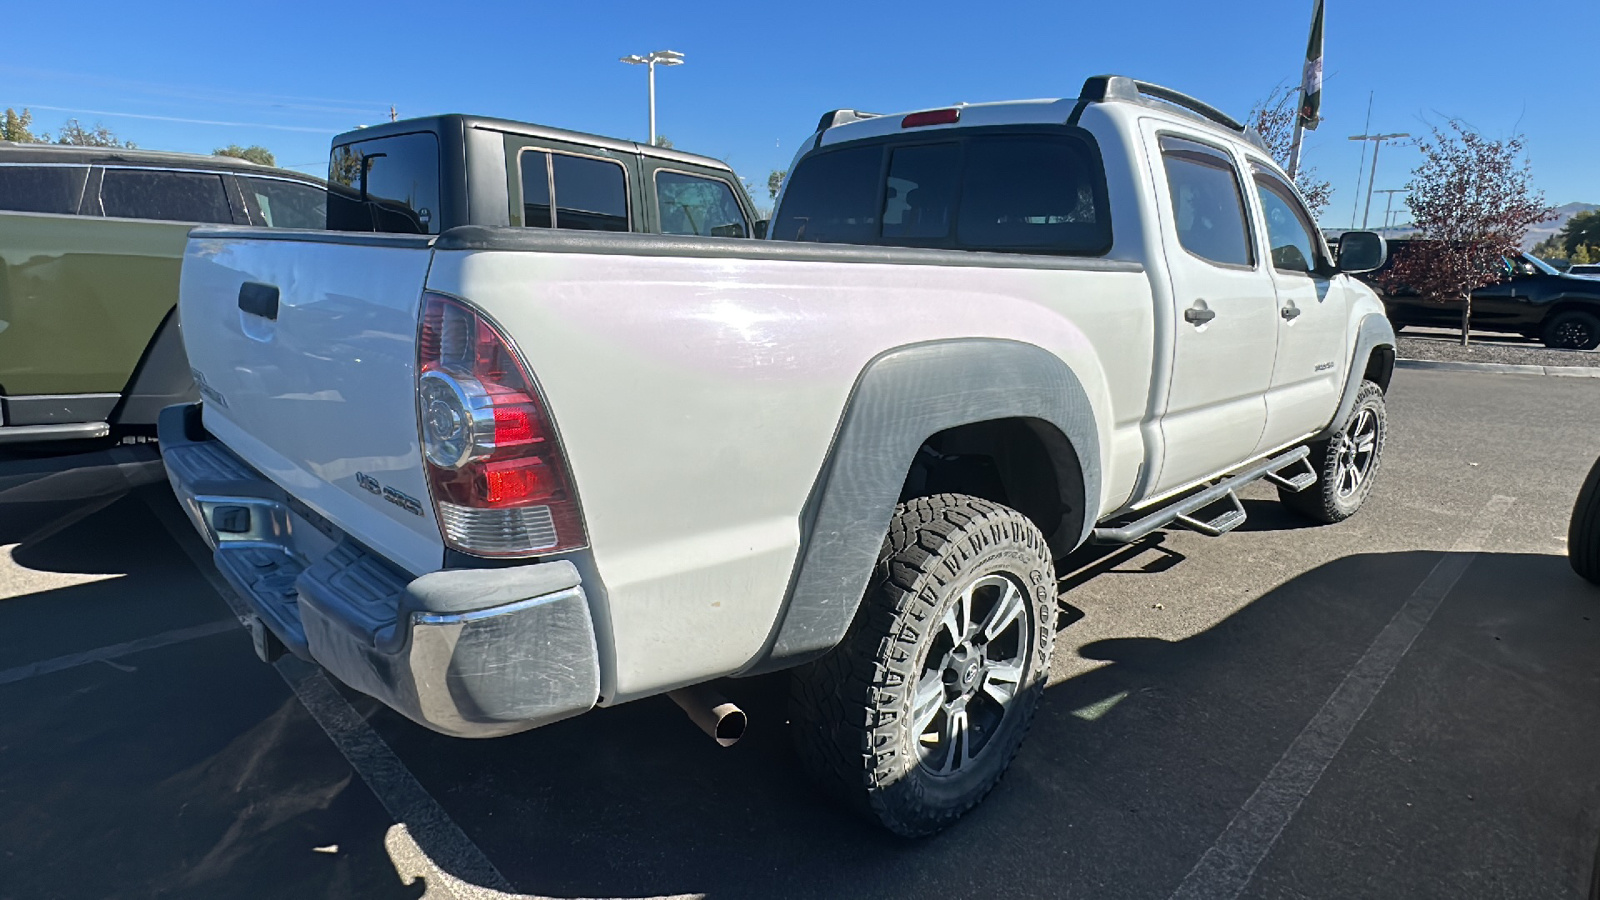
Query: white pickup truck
x,y
498,476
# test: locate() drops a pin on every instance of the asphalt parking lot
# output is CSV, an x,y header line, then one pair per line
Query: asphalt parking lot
x,y
1403,705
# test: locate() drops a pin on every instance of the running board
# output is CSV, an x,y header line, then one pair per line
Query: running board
x,y
1183,511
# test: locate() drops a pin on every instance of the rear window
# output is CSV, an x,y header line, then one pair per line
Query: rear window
x,y
996,190
42,189
159,194
396,177
591,194
287,204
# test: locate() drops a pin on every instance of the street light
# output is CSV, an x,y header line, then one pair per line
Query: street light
x,y
662,58
1377,142
1390,202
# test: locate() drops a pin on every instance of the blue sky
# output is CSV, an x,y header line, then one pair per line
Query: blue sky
x,y
290,75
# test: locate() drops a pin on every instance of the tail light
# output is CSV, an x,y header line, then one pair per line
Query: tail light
x,y
495,468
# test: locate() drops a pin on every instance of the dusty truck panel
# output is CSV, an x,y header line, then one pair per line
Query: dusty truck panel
x,y
983,336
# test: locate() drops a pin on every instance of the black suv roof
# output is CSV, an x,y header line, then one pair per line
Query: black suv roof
x,y
124,156
442,124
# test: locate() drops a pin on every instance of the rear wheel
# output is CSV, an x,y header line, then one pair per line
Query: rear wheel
x,y
1346,463
918,712
1574,329
1583,536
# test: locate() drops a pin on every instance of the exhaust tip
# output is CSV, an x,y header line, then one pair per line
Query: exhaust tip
x,y
720,719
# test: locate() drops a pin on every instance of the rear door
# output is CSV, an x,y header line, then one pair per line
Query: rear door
x,y
1313,312
554,184
1224,308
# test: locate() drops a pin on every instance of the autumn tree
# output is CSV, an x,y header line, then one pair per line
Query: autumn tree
x,y
73,133
1273,119
1471,201
15,126
254,153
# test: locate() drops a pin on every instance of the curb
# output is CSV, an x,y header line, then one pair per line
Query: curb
x,y
1500,368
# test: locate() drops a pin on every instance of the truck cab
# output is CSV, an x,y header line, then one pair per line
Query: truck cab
x,y
428,175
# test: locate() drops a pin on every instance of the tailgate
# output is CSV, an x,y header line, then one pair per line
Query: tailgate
x,y
303,346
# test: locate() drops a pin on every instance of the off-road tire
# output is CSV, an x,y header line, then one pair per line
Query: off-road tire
x,y
1327,501
1575,329
851,710
1583,536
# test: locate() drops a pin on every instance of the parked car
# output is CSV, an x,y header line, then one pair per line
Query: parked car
x,y
91,240
501,475
1531,299
428,175
1591,270
1583,537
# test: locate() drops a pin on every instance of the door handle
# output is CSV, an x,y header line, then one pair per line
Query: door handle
x,y
259,299
1198,315
1289,313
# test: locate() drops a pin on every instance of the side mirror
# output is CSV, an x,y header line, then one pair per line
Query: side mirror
x,y
761,229
1362,251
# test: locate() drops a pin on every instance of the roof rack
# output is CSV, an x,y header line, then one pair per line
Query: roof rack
x,y
843,117
1119,88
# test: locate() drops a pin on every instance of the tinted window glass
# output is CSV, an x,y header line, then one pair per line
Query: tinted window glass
x,y
1031,193
704,206
288,204
399,177
535,189
154,194
919,199
591,194
1289,236
1207,206
1006,192
41,189
833,197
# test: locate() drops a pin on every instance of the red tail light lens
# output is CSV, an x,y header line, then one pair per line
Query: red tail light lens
x,y
495,468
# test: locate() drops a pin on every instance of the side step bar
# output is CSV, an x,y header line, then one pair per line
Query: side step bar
x,y
1183,511
22,434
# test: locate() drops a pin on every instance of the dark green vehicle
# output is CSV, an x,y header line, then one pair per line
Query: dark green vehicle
x,y
91,240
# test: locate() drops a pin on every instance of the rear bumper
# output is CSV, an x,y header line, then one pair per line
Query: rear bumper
x,y
466,652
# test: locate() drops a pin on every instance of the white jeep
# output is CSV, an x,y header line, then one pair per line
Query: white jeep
x,y
500,475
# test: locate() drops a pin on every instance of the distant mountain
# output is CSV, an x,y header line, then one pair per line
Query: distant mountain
x,y
1535,234
1539,232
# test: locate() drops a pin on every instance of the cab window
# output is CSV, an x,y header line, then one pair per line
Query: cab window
x,y
1291,241
690,204
1207,202
288,204
590,194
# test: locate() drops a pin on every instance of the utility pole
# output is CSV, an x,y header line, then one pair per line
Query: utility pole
x,y
1377,143
1356,203
658,57
1389,203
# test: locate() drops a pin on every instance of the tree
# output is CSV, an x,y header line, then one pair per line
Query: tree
x,y
74,134
1471,200
1551,247
1585,255
663,142
15,126
254,153
1273,119
775,181
1581,229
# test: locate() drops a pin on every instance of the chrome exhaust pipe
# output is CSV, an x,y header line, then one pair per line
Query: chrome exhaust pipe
x,y
712,712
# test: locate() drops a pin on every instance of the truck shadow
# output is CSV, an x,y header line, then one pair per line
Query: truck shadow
x,y
1131,771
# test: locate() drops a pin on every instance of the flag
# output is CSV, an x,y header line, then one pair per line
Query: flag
x,y
1311,80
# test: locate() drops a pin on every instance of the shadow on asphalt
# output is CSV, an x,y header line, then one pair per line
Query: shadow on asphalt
x,y
1131,772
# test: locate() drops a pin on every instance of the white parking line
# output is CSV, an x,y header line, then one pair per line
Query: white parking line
x,y
106,654
1227,867
450,851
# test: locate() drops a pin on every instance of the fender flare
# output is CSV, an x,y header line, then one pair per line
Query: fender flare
x,y
900,399
1373,332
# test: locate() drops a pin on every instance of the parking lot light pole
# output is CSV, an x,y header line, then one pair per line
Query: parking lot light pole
x,y
1389,204
1377,142
659,57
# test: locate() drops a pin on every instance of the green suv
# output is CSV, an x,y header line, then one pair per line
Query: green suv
x,y
91,240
